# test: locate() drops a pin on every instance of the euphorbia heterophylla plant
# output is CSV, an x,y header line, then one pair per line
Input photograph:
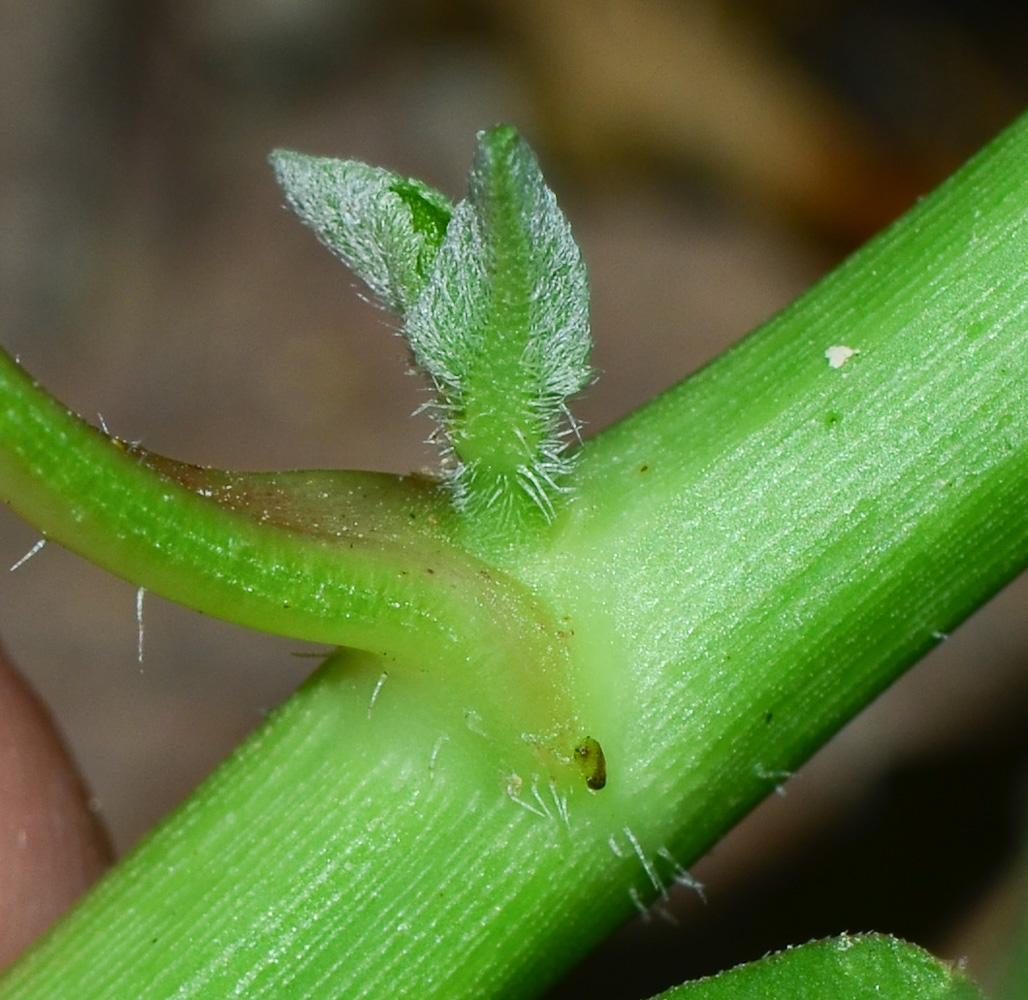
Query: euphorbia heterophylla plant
x,y
566,668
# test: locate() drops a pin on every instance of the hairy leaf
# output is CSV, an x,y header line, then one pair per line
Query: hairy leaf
x,y
386,228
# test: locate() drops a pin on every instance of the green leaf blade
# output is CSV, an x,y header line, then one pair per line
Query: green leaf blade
x,y
860,967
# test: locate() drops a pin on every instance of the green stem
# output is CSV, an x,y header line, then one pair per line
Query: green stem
x,y
775,539
346,850
745,563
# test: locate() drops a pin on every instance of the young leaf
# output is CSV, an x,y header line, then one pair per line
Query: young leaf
x,y
495,298
386,228
502,328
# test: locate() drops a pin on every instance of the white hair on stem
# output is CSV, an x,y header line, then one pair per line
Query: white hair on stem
x,y
28,555
140,627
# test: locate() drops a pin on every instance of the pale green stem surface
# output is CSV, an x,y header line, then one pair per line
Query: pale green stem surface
x,y
745,563
340,853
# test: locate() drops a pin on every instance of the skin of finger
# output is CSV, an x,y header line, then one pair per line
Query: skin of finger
x,y
52,846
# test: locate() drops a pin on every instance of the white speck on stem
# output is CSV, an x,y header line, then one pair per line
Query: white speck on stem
x,y
838,354
474,722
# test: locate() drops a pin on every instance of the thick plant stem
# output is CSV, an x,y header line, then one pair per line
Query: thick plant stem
x,y
774,539
746,562
358,846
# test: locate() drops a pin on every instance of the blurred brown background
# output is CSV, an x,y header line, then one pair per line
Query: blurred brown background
x,y
714,157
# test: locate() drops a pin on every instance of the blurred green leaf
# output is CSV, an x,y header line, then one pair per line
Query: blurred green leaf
x,y
861,967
